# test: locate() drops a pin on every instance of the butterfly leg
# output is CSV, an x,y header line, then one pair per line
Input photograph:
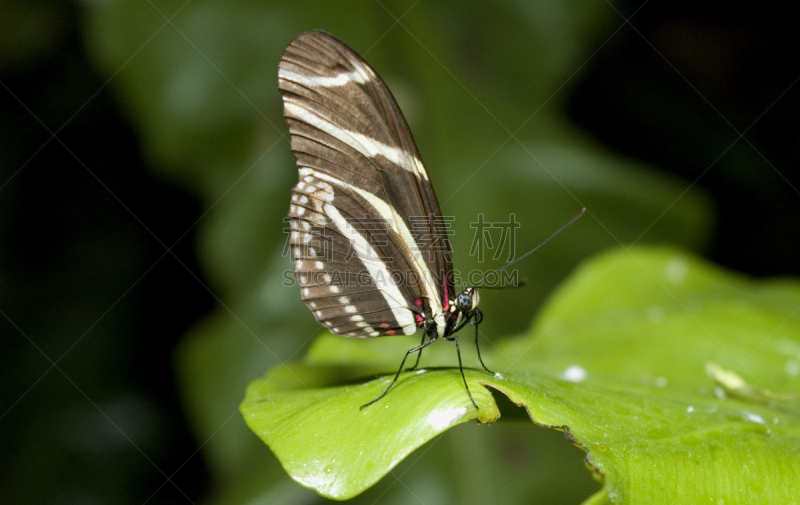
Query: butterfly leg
x,y
461,369
475,323
402,363
419,354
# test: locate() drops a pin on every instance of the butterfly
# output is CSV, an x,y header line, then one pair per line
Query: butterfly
x,y
372,255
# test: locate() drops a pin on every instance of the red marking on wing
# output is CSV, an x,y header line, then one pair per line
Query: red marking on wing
x,y
418,302
384,325
420,320
446,297
390,332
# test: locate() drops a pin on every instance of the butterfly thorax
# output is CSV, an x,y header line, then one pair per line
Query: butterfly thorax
x,y
462,308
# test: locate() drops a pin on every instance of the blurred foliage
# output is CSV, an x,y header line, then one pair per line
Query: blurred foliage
x,y
97,270
622,366
90,308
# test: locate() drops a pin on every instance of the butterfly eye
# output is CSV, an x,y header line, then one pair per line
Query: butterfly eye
x,y
464,301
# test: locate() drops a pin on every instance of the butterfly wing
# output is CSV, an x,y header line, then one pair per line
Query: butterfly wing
x,y
371,254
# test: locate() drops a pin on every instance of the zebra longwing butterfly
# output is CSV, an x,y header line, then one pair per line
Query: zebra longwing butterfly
x,y
372,255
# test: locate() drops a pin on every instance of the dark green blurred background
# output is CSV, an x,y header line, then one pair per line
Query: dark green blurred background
x,y
144,177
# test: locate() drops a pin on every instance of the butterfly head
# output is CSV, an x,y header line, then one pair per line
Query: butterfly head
x,y
464,309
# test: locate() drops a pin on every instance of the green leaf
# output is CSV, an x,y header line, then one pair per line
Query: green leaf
x,y
351,448
618,359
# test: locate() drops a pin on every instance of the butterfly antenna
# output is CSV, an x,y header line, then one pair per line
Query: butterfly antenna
x,y
548,239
